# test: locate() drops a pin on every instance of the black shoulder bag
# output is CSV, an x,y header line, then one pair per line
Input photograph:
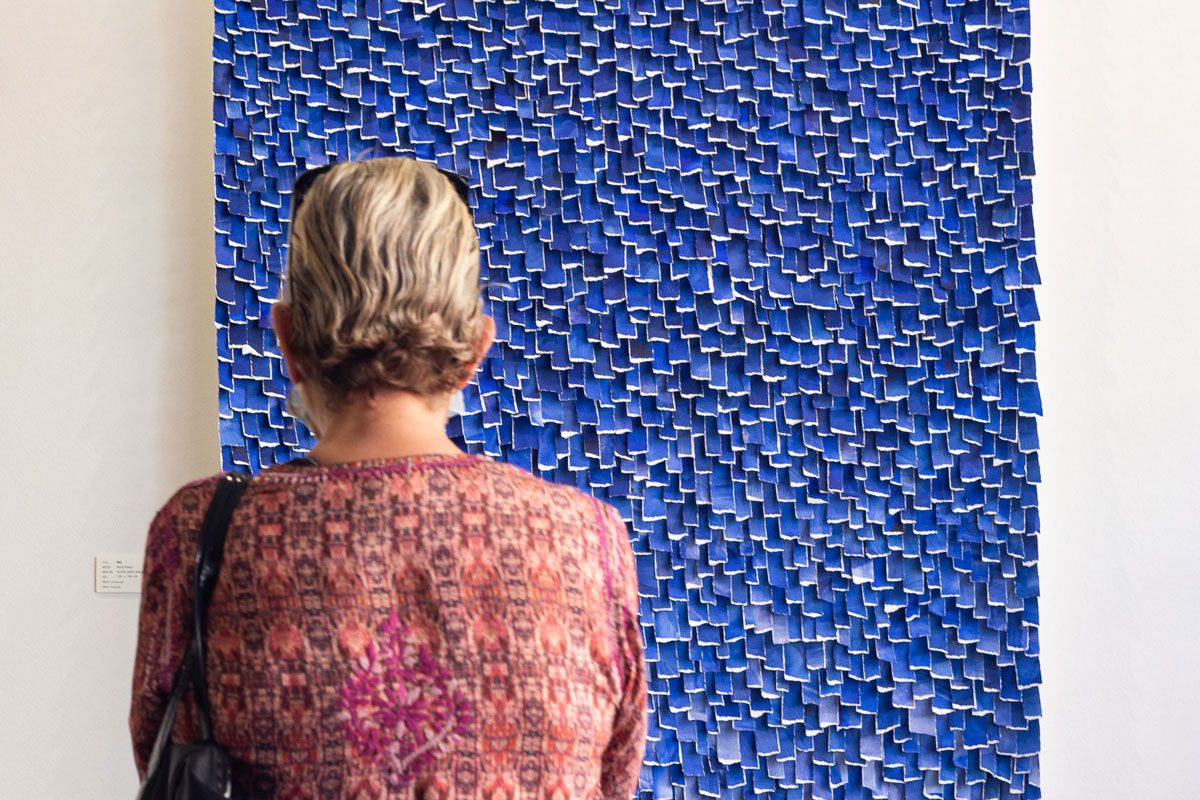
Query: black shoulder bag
x,y
199,771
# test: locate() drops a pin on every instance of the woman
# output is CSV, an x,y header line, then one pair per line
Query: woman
x,y
394,617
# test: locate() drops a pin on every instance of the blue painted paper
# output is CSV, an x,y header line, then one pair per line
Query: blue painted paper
x,y
764,279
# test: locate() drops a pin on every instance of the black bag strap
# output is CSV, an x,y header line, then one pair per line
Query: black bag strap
x,y
209,554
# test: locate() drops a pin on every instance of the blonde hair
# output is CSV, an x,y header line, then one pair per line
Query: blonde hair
x,y
383,280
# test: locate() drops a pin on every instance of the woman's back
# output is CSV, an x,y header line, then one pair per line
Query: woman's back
x,y
414,627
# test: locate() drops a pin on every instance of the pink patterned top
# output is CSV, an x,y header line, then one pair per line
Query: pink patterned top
x,y
424,627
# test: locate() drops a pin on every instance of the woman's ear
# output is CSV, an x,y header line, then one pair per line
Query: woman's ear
x,y
487,337
484,342
281,320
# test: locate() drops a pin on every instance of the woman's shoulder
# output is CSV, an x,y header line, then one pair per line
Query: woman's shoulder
x,y
174,526
545,495
191,498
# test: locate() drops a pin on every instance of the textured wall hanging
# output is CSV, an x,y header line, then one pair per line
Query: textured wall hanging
x,y
770,274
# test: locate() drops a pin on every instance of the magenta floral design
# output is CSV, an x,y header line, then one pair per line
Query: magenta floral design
x,y
400,707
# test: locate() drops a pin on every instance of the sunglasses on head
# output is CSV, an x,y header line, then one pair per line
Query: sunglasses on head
x,y
305,182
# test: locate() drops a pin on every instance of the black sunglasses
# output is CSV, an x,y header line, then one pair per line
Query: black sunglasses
x,y
305,182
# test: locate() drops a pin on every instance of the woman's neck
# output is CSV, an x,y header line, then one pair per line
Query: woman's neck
x,y
389,425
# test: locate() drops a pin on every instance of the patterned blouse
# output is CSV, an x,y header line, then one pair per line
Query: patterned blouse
x,y
421,627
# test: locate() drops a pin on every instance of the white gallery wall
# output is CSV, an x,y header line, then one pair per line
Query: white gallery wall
x,y
109,399
1116,121
110,380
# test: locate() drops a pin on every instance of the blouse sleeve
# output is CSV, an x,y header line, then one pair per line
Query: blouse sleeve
x,y
161,636
626,749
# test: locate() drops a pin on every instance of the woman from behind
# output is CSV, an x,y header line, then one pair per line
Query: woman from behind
x,y
394,617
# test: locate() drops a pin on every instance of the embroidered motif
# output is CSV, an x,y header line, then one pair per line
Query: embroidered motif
x,y
400,707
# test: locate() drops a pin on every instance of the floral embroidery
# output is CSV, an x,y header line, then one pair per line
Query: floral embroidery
x,y
400,706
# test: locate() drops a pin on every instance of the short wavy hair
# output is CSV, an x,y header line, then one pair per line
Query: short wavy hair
x,y
383,280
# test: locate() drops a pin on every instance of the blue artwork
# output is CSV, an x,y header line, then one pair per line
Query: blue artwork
x,y
764,275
